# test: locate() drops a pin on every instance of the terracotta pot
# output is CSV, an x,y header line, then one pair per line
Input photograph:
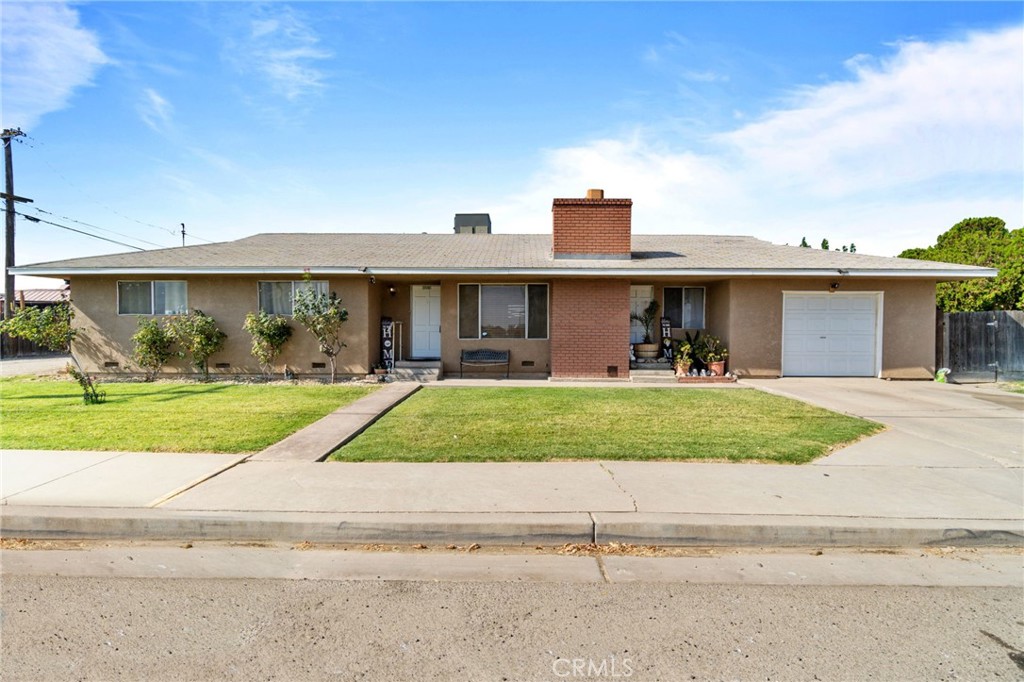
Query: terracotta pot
x,y
682,369
717,368
646,350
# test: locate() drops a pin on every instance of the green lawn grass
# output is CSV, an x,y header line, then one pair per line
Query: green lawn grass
x,y
1013,386
162,417
538,424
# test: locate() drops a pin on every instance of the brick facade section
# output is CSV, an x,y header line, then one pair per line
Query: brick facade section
x,y
593,227
589,328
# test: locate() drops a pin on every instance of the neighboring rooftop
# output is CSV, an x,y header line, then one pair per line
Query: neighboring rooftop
x,y
39,296
512,254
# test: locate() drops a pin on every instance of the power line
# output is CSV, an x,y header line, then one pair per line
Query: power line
x,y
34,219
103,229
113,210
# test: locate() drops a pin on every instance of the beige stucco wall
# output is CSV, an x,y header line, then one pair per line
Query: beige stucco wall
x,y
105,336
747,314
754,328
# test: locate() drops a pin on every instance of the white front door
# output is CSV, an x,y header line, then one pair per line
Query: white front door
x,y
426,321
639,298
830,335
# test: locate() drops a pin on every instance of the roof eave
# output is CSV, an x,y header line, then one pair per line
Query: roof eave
x,y
610,272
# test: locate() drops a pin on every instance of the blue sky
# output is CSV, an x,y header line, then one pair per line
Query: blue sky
x,y
875,123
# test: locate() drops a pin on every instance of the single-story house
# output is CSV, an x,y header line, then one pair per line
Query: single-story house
x,y
560,304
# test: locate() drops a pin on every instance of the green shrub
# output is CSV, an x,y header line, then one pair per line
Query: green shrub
x,y
198,336
269,334
153,345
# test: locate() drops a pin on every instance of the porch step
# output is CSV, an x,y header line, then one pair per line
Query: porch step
x,y
644,375
420,371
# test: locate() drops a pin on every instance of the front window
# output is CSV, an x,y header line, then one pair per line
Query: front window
x,y
684,306
503,311
152,298
276,297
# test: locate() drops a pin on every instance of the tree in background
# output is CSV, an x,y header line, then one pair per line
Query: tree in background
x,y
198,336
852,248
269,334
985,242
323,316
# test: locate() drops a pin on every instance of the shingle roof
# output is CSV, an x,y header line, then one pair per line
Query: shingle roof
x,y
513,253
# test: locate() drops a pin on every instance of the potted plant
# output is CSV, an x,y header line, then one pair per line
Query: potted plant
x,y
380,368
647,349
683,358
714,354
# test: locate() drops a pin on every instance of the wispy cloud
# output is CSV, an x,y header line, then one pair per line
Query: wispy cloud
x,y
903,148
155,111
46,57
282,49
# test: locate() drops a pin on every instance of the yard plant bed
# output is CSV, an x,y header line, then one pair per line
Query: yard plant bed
x,y
163,416
542,424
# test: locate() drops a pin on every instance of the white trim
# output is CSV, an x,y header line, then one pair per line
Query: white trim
x,y
590,272
879,302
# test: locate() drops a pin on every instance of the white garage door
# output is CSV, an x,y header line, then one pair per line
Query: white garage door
x,y
830,335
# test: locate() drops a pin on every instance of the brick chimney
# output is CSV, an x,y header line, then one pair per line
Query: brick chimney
x,y
592,228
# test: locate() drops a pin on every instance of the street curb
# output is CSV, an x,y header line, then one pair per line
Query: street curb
x,y
800,531
504,528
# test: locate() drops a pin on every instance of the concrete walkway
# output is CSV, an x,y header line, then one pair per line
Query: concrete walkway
x,y
948,471
315,442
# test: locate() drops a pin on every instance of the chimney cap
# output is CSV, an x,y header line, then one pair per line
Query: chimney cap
x,y
595,194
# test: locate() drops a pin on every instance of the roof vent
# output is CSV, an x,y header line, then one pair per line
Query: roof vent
x,y
472,223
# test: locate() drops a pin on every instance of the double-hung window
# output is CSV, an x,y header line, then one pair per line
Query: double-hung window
x,y
276,297
503,311
684,306
152,298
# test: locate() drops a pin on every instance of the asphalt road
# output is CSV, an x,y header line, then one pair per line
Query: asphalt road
x,y
101,628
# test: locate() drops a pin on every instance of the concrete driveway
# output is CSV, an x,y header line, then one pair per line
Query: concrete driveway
x,y
43,364
931,424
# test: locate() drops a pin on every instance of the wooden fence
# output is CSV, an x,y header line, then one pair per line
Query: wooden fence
x,y
982,346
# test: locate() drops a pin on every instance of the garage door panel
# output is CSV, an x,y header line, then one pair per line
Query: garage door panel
x,y
830,334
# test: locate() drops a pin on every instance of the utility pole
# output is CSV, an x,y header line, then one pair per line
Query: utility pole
x,y
9,199
183,234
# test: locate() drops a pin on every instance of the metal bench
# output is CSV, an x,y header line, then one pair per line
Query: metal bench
x,y
484,357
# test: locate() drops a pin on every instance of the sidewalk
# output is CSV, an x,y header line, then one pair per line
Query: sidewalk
x,y
948,471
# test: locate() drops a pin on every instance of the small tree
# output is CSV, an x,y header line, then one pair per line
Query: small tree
x,y
154,346
49,327
803,243
269,334
322,315
198,336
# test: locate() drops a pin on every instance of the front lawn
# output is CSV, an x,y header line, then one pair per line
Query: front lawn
x,y
538,424
164,416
